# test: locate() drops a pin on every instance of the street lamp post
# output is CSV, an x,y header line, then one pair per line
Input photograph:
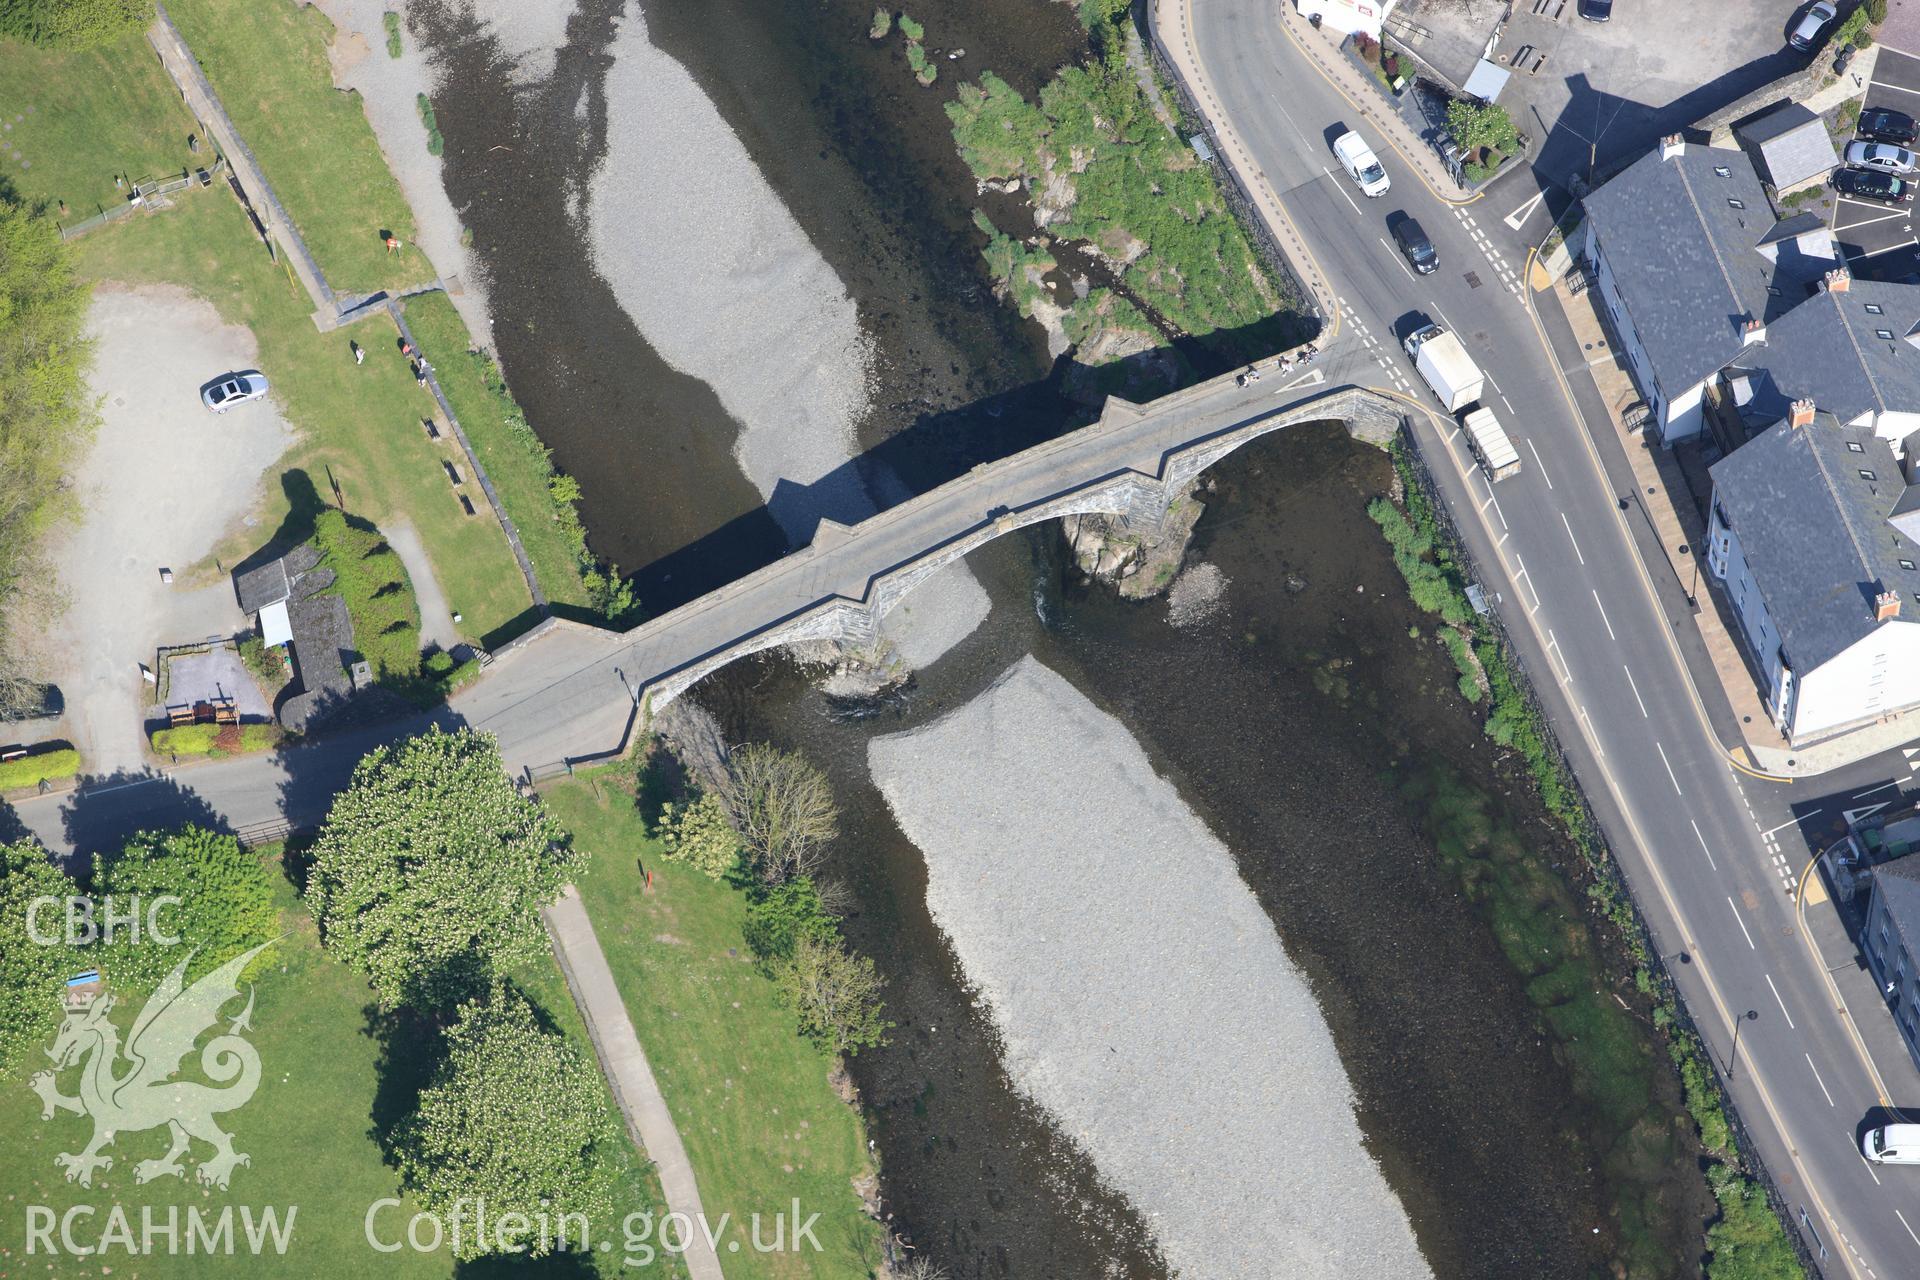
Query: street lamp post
x,y
1751,1015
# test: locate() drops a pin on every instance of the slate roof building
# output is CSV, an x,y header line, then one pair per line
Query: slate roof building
x,y
1687,255
1790,148
1812,532
292,603
1891,942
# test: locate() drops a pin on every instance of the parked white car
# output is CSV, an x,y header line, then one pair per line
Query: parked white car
x,y
1883,156
230,389
1357,158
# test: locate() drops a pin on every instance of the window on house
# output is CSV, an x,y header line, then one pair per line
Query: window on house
x,y
1854,446
1875,309
1867,475
1773,291
1723,171
1907,565
1735,204
1885,335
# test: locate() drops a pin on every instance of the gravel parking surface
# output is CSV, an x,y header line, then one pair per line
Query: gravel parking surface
x,y
163,482
1143,997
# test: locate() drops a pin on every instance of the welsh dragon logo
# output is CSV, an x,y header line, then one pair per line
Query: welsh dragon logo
x,y
126,1092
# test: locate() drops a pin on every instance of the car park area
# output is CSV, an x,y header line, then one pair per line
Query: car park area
x,y
1877,237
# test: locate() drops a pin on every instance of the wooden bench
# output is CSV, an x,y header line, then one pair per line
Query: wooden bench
x,y
466,504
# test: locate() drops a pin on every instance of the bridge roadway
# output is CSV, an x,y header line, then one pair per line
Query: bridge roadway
x,y
571,691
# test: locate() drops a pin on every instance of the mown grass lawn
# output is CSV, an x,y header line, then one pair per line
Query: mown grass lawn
x,y
309,1130
268,63
760,1121
360,425
79,119
513,456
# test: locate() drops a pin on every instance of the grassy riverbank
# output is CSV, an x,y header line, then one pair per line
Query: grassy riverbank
x,y
1100,167
1571,966
755,1102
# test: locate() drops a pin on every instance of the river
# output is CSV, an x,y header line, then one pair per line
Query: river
x,y
1317,738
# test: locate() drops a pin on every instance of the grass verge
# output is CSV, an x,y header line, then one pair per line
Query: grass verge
x,y
360,425
216,740
757,1112
87,118
269,65
1741,1246
47,766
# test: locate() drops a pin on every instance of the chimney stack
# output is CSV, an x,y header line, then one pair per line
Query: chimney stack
x,y
1838,281
1800,415
1886,605
1672,145
1755,333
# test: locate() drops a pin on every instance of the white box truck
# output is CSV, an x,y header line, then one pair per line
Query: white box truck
x,y
1489,442
1443,362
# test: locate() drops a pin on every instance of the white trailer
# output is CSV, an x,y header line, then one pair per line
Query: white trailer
x,y
1443,362
1489,442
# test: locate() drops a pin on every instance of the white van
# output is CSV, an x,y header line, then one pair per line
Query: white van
x,y
1361,164
1892,1144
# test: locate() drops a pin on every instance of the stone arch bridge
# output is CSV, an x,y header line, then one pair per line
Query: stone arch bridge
x,y
566,691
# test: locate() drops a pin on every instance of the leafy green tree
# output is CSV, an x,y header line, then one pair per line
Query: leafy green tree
x,y
783,808
700,835
32,974
226,905
1475,125
779,916
46,418
514,1116
431,869
835,995
1748,1242
72,24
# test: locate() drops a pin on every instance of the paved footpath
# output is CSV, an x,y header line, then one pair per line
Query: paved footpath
x,y
624,1064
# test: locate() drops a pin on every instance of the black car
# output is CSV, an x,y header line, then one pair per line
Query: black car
x,y
1868,184
1412,239
1596,10
1883,124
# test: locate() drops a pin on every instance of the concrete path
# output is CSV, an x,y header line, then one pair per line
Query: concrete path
x,y
436,619
624,1063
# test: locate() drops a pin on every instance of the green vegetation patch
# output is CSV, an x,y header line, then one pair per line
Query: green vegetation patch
x,y
1017,267
1094,150
755,1102
216,740
391,20
435,143
269,65
73,24
359,425
47,766
368,575
90,116
542,503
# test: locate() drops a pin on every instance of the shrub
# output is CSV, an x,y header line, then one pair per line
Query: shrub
x,y
778,917
700,835
226,904
215,740
394,47
1748,1242
783,808
912,30
268,664
72,24
1482,126
435,143
835,995
47,766
1876,11
1367,47
881,24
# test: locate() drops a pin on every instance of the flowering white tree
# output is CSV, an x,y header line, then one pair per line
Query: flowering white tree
x,y
431,869
515,1118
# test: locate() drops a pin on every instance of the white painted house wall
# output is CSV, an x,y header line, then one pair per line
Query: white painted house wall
x,y
1678,416
1877,676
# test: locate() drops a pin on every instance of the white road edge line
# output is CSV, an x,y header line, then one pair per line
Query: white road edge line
x,y
1570,538
1341,188
1896,1212
1742,924
1394,256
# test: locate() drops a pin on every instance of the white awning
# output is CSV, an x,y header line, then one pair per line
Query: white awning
x,y
274,626
1487,81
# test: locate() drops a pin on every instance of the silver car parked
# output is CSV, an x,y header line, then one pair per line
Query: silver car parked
x,y
1883,156
230,389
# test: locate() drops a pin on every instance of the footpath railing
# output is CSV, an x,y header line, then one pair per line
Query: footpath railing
x,y
144,191
1606,868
